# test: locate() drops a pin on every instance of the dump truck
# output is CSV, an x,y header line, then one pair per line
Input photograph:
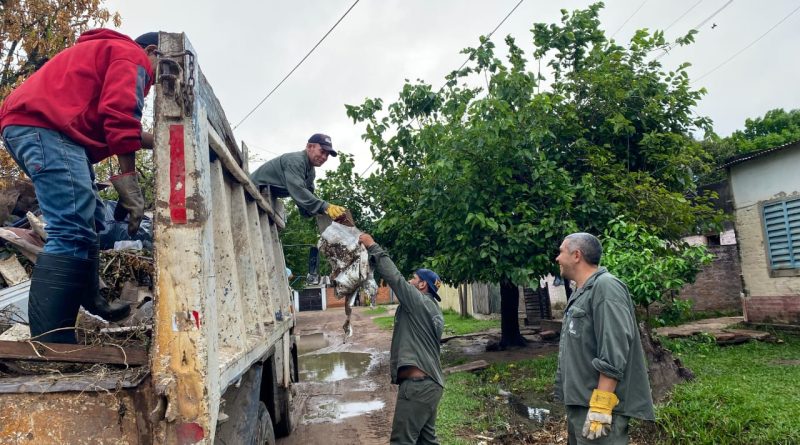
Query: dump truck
x,y
220,356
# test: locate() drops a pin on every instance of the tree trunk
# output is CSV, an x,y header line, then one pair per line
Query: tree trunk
x,y
665,371
509,316
462,299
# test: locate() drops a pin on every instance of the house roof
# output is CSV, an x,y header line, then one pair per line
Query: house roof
x,y
739,159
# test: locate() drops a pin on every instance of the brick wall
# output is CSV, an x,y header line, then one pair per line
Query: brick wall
x,y
776,309
718,286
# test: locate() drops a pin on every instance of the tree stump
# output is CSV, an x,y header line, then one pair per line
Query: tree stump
x,y
664,369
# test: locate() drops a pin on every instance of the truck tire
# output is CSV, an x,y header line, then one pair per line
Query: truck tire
x,y
265,434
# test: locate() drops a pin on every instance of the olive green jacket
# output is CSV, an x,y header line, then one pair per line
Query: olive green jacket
x,y
418,322
291,174
600,335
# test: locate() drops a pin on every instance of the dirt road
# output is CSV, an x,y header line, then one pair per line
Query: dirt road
x,y
344,390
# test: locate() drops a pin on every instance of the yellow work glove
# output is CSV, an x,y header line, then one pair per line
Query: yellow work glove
x,y
335,211
598,419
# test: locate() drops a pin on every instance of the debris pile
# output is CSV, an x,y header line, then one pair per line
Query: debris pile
x,y
350,266
125,274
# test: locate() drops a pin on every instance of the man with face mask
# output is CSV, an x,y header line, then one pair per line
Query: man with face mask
x,y
292,174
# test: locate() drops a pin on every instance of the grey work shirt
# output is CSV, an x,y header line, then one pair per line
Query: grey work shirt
x,y
291,174
600,335
418,322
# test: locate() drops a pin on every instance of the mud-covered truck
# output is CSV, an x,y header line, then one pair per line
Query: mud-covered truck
x,y
220,358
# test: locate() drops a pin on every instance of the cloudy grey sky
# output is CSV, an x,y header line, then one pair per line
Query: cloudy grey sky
x,y
245,47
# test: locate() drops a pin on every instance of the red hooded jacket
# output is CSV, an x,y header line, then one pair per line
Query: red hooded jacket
x,y
92,92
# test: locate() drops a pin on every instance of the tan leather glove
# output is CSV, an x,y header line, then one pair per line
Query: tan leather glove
x,y
598,419
335,211
131,200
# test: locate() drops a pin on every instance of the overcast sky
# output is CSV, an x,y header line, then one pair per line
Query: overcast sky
x,y
246,47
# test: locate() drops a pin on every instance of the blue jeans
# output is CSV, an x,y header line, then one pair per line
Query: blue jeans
x,y
64,181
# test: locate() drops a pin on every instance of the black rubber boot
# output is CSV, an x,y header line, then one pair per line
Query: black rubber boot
x,y
93,302
57,284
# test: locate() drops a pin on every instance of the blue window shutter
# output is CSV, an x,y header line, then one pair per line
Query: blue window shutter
x,y
782,229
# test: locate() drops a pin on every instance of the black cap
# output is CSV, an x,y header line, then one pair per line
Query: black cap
x,y
147,39
324,141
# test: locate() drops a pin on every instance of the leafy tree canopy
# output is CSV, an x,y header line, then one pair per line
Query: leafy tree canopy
x,y
482,183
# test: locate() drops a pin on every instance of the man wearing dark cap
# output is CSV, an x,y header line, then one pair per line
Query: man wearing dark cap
x,y
414,360
292,174
82,106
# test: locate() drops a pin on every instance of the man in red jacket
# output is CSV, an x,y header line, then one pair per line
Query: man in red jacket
x,y
82,106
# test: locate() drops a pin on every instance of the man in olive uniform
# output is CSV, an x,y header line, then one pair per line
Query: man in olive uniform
x,y
602,374
292,174
414,361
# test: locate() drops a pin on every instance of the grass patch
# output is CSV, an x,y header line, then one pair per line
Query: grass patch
x,y
376,311
386,323
742,394
469,403
455,324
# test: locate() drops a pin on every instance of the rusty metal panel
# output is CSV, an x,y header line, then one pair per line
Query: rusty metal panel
x,y
73,418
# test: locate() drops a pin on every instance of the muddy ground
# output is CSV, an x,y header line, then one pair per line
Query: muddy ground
x,y
344,391
345,395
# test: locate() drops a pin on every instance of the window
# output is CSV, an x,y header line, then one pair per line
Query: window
x,y
782,235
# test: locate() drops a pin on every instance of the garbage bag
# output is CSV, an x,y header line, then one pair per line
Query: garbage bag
x,y
111,231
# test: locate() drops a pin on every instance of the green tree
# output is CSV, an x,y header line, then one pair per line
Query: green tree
x,y
484,183
653,269
777,127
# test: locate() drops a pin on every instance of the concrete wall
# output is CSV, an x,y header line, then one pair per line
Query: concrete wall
x,y
774,176
449,297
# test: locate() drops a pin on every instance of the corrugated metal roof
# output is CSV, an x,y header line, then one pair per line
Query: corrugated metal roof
x,y
738,159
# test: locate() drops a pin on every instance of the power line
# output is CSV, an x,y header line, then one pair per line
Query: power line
x,y
488,36
298,64
683,15
629,18
697,27
749,45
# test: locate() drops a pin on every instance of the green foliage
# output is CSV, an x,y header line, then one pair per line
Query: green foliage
x,y
674,313
455,324
469,404
376,311
297,238
482,184
777,127
651,267
385,323
345,187
742,394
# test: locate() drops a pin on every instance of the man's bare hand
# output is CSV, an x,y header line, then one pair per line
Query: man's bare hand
x,y
366,240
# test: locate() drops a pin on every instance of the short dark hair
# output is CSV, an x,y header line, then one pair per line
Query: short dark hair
x,y
588,244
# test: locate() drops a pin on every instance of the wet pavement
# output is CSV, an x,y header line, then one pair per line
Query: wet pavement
x,y
333,366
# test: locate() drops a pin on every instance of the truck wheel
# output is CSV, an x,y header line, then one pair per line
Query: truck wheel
x,y
265,435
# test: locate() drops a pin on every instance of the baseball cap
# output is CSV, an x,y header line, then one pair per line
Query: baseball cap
x,y
147,39
324,141
433,280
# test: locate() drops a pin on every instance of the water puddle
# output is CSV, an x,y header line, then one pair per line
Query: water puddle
x,y
334,411
311,342
334,366
536,409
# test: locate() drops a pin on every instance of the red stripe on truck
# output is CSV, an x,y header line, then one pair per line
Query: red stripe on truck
x,y
177,175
